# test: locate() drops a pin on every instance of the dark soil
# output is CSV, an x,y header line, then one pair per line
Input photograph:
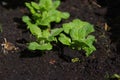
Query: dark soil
x,y
55,64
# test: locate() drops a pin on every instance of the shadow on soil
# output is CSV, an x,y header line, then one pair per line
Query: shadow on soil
x,y
13,3
30,54
113,19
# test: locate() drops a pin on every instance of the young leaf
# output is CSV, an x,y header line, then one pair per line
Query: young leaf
x,y
45,19
52,38
89,42
56,4
46,46
65,15
35,5
35,30
46,33
67,27
32,10
46,4
64,39
26,19
37,46
33,46
56,31
89,50
77,33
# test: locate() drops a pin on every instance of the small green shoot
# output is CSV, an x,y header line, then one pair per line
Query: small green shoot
x,y
74,60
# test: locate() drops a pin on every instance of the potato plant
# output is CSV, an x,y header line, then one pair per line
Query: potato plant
x,y
42,14
75,34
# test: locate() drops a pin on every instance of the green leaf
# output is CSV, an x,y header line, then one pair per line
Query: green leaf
x,y
46,4
26,19
56,4
89,42
78,33
45,21
33,46
56,31
74,34
36,46
88,28
84,25
35,30
52,38
77,23
35,5
64,39
32,10
89,50
65,15
57,16
67,27
46,46
46,33
54,16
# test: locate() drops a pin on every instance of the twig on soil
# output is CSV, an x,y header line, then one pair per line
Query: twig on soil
x,y
7,46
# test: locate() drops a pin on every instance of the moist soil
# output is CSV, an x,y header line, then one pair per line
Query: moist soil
x,y
22,64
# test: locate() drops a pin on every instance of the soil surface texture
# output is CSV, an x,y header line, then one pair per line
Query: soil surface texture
x,y
22,64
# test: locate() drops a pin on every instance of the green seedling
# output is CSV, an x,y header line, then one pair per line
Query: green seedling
x,y
77,36
74,60
42,14
45,11
44,37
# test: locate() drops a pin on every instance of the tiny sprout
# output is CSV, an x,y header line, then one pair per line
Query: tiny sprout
x,y
75,60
